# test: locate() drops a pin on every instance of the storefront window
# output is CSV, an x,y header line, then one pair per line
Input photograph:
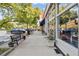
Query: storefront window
x,y
69,26
53,12
62,6
52,29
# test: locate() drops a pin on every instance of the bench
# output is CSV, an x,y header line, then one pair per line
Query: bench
x,y
14,40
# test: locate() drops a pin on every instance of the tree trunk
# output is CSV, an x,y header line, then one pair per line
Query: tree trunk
x,y
27,25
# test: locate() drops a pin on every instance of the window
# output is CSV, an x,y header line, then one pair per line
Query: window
x,y
69,26
62,6
52,29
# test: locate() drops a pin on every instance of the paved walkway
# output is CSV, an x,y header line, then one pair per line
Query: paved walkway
x,y
35,45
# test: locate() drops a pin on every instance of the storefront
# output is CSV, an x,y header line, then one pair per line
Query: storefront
x,y
42,23
63,19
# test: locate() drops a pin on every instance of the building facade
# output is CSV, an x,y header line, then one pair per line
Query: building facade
x,y
62,20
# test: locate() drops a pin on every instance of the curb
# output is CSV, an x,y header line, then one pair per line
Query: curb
x,y
7,52
10,50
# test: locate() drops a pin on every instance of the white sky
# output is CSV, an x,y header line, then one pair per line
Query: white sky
x,y
39,1
1,16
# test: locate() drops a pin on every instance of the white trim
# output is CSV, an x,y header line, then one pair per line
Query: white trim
x,y
47,7
67,48
78,29
69,7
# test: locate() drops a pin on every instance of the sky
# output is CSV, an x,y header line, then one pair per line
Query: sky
x,y
1,16
39,5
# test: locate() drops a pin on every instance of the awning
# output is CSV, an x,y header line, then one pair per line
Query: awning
x,y
42,22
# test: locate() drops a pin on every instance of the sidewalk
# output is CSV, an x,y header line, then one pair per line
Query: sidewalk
x,y
35,45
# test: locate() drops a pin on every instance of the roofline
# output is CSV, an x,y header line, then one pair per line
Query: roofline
x,y
46,10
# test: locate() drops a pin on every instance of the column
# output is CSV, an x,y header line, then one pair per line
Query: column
x,y
57,21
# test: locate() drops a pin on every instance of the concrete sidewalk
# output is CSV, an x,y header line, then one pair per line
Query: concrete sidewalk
x,y
35,45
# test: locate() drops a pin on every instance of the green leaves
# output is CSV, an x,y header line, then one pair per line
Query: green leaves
x,y
68,15
5,23
27,14
23,13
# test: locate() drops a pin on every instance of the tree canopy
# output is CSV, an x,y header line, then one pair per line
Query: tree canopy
x,y
22,13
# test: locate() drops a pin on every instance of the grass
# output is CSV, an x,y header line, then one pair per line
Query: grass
x,y
2,50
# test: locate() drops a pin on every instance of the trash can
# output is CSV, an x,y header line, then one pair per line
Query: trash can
x,y
11,44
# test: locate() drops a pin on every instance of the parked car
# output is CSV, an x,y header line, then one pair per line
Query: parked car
x,y
19,31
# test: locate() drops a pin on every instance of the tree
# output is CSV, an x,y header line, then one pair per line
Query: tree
x,y
27,14
6,10
20,12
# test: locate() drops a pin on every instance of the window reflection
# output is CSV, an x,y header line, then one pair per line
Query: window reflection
x,y
69,26
52,29
62,6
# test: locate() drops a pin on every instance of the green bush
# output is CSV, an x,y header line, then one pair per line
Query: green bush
x,y
2,50
51,35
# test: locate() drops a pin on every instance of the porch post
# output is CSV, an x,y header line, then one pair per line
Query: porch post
x,y
57,20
